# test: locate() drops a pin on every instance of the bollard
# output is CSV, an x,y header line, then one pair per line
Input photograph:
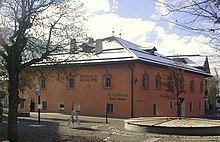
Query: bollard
x,y
1,112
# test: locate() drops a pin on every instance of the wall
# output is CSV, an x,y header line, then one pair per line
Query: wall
x,y
90,95
144,99
89,92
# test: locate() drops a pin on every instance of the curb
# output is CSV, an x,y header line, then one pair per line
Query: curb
x,y
172,130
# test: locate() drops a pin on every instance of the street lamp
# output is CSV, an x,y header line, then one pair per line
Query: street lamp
x,y
37,93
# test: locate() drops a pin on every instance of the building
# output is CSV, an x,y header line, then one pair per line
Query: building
x,y
200,62
121,79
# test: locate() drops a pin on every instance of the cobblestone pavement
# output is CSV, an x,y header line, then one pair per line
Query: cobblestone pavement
x,y
54,128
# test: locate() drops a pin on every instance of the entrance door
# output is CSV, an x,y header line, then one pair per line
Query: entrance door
x,y
32,104
154,109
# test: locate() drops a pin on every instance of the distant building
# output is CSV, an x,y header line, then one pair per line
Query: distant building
x,y
217,99
122,79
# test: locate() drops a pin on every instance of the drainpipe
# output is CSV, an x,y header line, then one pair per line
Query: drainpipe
x,y
132,90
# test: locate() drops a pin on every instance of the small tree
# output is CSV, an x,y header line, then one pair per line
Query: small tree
x,y
212,90
173,83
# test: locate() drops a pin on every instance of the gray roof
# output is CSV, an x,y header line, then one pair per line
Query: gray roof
x,y
192,60
119,50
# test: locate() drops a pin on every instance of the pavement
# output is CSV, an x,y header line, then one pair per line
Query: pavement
x,y
54,128
207,126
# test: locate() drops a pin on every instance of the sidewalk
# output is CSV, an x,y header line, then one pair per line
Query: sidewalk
x,y
161,125
65,117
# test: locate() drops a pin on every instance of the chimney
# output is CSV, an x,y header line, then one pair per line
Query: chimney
x,y
90,40
73,45
98,46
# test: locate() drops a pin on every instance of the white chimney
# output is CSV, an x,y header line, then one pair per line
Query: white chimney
x,y
98,46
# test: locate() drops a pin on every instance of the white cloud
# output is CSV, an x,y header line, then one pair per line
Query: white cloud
x,y
97,5
140,31
102,25
114,5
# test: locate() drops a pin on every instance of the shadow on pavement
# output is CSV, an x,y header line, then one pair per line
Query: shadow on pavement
x,y
84,128
32,131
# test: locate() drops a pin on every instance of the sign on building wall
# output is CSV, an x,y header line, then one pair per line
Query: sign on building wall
x,y
117,96
88,78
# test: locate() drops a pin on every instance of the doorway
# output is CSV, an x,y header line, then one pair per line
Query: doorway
x,y
154,109
32,105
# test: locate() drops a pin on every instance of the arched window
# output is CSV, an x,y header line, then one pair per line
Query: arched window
x,y
145,81
181,84
158,81
201,86
192,85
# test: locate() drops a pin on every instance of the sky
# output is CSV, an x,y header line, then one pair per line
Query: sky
x,y
139,21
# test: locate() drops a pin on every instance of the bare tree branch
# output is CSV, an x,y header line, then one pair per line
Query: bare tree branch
x,y
199,16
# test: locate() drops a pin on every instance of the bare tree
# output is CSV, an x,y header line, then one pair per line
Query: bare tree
x,y
173,83
30,32
199,16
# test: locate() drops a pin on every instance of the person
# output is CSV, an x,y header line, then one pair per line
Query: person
x,y
74,112
1,112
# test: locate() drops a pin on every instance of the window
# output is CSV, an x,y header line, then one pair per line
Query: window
x,y
171,104
70,83
181,85
61,107
22,103
145,80
158,82
107,81
44,105
190,106
109,108
201,87
154,109
192,85
199,105
42,83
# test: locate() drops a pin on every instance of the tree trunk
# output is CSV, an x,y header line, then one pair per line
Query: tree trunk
x,y
13,71
178,106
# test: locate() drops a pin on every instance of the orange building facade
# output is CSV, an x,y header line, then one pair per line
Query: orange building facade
x,y
122,88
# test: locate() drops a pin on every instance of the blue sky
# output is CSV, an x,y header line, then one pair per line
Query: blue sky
x,y
135,9
139,21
